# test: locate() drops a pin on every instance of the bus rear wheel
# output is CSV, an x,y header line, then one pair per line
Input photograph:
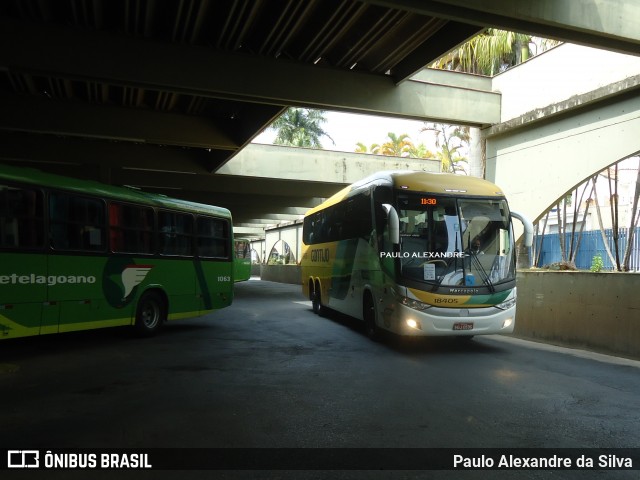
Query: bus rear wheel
x,y
150,314
369,315
316,300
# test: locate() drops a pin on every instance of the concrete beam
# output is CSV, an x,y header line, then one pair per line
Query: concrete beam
x,y
256,225
239,231
108,122
36,148
270,220
305,164
626,88
608,24
225,184
187,69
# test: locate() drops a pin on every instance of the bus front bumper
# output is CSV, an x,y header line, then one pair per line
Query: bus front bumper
x,y
438,321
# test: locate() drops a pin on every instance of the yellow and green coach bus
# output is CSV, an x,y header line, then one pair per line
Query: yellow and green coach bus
x,y
77,255
414,253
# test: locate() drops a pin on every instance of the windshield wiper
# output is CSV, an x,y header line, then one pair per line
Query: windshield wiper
x,y
483,273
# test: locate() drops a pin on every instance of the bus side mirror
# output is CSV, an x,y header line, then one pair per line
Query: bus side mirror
x,y
528,228
394,223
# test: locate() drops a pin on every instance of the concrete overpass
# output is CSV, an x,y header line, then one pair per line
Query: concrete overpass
x,y
164,96
563,120
302,168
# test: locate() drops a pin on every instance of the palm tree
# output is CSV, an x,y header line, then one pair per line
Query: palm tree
x,y
421,151
374,149
396,145
450,139
493,52
490,53
300,127
361,148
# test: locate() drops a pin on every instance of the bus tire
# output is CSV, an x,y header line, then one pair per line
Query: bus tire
x,y
151,313
369,316
316,301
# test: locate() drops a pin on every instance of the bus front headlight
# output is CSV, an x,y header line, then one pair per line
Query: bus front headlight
x,y
507,304
411,303
411,323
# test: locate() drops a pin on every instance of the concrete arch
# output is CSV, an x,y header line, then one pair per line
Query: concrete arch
x,y
539,162
281,254
291,234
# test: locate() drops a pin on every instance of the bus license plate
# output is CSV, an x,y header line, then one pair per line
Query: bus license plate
x,y
463,326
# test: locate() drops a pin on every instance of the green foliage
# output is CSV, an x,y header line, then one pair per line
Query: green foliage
x,y
300,127
596,263
450,139
396,146
493,52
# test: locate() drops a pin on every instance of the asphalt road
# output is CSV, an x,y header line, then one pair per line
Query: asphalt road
x,y
267,373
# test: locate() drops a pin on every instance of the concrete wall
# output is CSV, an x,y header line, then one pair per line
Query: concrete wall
x,y
559,74
594,311
597,311
281,274
536,165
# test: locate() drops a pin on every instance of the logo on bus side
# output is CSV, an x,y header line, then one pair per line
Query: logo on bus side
x,y
132,276
120,279
320,255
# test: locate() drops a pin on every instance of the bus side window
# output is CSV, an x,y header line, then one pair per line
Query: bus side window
x,y
307,230
380,224
21,217
318,228
213,237
242,249
130,228
77,223
116,235
176,233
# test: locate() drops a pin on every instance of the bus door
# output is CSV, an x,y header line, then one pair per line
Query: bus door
x,y
216,264
74,287
23,264
23,292
78,239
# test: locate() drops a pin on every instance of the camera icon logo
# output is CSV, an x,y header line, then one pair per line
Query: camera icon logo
x,y
23,459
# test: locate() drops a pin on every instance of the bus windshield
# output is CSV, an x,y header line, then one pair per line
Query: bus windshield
x,y
455,241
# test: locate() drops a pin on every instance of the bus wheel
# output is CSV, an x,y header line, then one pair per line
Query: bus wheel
x,y
316,301
369,314
150,314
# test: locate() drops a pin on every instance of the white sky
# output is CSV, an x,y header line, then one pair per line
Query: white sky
x,y
347,129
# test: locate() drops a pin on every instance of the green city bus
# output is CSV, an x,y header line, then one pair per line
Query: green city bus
x,y
242,260
78,255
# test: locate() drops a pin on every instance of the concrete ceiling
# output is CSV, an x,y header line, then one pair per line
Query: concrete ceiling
x,y
161,94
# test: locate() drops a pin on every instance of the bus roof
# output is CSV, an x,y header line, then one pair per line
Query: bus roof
x,y
49,180
417,181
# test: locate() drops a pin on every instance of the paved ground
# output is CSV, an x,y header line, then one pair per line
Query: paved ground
x,y
267,372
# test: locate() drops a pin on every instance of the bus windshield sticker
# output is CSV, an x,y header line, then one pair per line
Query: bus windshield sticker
x,y
429,271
